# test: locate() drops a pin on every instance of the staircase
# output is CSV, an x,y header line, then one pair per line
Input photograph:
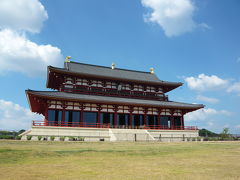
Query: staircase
x,y
130,135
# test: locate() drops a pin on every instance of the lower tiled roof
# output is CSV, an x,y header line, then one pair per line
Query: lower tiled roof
x,y
113,100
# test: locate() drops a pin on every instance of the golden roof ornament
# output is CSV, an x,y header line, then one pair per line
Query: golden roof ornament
x,y
152,70
67,59
113,66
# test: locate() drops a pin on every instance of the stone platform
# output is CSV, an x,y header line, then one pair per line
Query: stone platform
x,y
106,134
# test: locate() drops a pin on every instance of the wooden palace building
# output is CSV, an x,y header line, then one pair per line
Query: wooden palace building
x,y
99,103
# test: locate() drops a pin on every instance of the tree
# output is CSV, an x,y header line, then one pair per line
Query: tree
x,y
207,133
21,131
225,133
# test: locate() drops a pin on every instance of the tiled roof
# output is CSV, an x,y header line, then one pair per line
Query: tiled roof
x,y
115,100
117,73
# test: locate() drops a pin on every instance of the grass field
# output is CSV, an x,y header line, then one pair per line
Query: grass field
x,y
126,160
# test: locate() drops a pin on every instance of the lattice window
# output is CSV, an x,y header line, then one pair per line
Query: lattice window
x,y
137,87
90,107
160,90
107,108
111,85
55,105
69,105
138,110
150,89
68,86
177,112
152,111
68,80
80,81
166,112
96,83
126,86
123,109
76,106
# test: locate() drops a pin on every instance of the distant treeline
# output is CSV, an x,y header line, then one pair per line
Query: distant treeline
x,y
10,134
223,136
207,133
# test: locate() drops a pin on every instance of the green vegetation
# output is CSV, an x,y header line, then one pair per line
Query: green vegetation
x,y
52,138
39,138
207,133
223,136
225,133
124,160
10,134
29,137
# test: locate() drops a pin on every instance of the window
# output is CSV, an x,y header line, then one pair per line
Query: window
x,y
72,118
177,122
152,121
165,121
138,120
54,117
106,119
90,119
123,120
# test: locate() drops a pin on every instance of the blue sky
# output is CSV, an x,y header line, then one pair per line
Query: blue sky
x,y
194,42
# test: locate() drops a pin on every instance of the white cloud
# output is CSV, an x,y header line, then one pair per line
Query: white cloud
x,y
15,117
207,99
19,54
234,88
206,83
27,15
205,114
174,16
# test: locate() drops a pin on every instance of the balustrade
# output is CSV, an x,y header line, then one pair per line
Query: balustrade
x,y
115,92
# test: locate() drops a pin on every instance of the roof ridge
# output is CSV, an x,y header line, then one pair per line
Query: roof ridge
x,y
110,67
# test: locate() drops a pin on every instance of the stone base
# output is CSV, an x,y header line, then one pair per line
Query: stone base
x,y
106,134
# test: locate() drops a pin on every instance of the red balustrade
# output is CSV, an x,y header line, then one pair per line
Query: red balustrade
x,y
105,125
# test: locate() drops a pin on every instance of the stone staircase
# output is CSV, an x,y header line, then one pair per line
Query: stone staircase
x,y
130,135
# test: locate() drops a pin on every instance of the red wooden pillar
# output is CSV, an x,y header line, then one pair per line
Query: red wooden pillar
x,y
63,113
98,118
130,120
115,119
46,117
99,115
182,119
159,119
145,118
182,126
63,117
81,116
115,109
172,120
130,116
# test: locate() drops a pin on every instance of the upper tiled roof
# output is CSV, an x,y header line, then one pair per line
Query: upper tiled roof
x,y
109,72
117,73
114,100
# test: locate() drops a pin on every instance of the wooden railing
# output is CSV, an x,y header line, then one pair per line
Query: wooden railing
x,y
106,125
115,92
